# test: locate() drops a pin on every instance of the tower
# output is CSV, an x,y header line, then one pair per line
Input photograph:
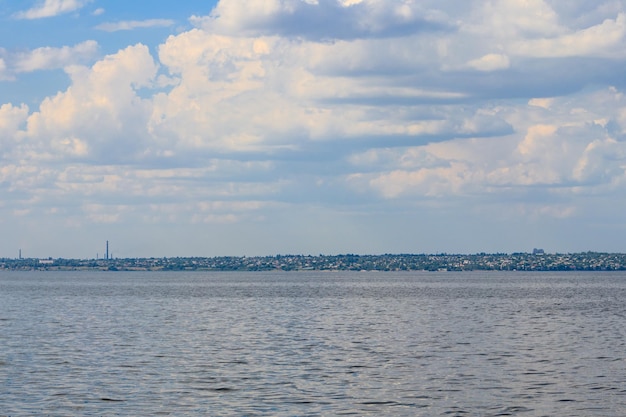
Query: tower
x,y
107,252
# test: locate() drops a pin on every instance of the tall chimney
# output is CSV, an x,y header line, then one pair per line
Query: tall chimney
x,y
107,252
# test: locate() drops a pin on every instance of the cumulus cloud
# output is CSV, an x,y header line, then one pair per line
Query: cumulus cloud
x,y
602,161
101,115
506,19
134,24
534,29
604,39
12,119
50,8
269,105
575,154
276,94
323,19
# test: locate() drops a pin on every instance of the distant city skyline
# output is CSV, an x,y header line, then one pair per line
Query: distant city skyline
x,y
587,261
219,128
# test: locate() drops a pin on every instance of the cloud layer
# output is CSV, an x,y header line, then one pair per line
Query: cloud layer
x,y
314,119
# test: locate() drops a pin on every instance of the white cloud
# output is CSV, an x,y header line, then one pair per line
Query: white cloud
x,y
46,58
370,107
51,8
100,115
604,39
598,164
323,19
490,62
14,63
573,156
12,119
508,34
505,19
134,24
541,102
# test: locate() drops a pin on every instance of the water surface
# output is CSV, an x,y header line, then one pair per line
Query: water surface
x,y
312,343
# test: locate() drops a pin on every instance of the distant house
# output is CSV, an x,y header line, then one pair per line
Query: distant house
x,y
538,251
46,261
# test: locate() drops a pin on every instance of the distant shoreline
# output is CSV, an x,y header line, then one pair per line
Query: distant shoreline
x,y
583,261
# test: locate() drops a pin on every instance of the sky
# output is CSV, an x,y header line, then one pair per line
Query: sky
x,y
231,128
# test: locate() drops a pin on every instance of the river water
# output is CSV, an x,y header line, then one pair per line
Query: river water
x,y
312,343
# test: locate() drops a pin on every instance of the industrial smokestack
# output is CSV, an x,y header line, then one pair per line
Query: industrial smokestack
x,y
107,251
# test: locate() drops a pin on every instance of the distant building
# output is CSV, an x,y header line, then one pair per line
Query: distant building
x,y
538,251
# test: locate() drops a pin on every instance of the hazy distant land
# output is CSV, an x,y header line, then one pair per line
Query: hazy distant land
x,y
536,261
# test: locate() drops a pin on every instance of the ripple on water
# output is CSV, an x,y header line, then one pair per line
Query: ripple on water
x,y
313,344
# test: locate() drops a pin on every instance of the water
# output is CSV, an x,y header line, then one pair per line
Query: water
x,y
309,343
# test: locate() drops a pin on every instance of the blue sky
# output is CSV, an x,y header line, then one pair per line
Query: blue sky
x,y
267,127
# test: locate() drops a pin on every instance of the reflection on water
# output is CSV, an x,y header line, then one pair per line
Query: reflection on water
x,y
406,344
